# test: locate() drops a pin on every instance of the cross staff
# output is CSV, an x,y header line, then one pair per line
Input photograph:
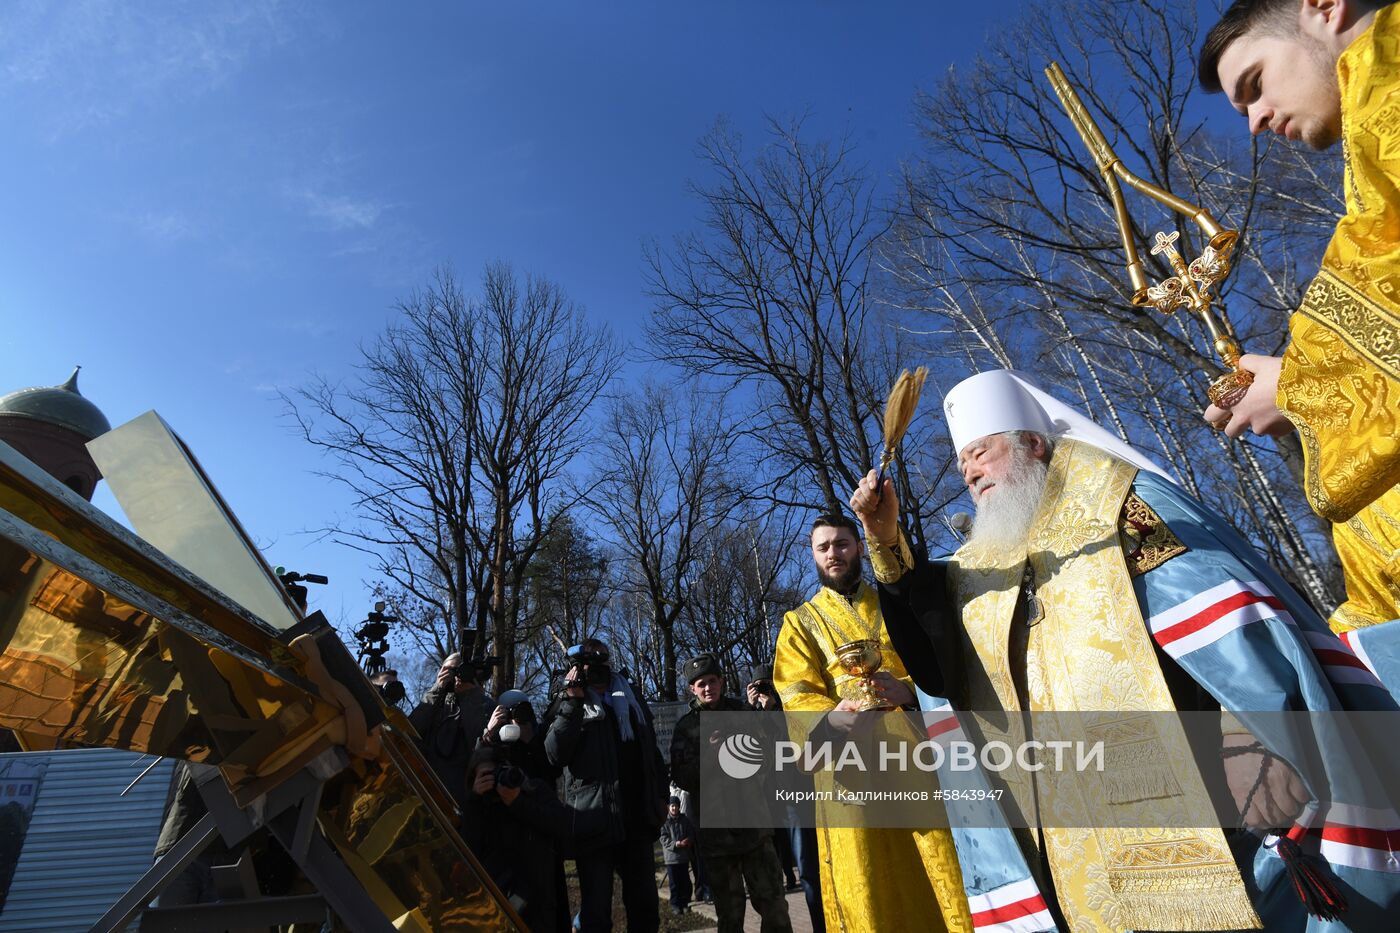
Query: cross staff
x,y
1193,285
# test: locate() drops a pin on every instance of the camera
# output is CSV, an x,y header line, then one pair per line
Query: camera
x,y
479,669
473,670
586,656
373,637
509,776
393,692
593,662
291,581
512,702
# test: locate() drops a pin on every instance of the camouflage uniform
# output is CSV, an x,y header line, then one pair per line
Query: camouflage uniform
x,y
734,858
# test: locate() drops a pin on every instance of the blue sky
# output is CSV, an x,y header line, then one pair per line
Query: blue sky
x,y
205,201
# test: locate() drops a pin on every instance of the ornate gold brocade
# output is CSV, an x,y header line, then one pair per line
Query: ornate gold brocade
x,y
1369,547
812,681
878,879
890,563
1091,654
1343,398
1147,541
1340,382
104,641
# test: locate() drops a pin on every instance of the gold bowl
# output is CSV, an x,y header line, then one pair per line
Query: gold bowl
x,y
861,659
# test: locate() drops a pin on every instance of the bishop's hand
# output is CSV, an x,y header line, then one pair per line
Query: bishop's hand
x,y
877,507
1268,792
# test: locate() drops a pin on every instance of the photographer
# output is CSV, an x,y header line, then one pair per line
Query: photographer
x,y
390,687
600,733
513,727
515,825
735,859
451,719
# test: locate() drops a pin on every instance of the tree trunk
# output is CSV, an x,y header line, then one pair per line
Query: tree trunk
x,y
668,657
462,623
498,575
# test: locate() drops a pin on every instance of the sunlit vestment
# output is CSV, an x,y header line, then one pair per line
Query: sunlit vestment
x,y
1128,568
1340,383
1092,652
1368,544
871,879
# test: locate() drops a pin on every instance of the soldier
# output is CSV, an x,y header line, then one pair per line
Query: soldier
x,y
734,858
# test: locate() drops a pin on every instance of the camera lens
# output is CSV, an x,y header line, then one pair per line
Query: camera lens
x,y
509,776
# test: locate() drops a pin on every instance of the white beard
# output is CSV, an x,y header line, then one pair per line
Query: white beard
x,y
1004,518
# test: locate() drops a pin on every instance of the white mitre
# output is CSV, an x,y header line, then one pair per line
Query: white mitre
x,y
1004,400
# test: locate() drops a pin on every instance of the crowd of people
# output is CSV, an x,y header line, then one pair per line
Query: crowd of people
x,y
1090,581
586,782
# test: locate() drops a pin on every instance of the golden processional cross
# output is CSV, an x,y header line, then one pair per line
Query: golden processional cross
x,y
1194,285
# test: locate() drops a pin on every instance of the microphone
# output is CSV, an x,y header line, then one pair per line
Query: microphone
x,y
960,522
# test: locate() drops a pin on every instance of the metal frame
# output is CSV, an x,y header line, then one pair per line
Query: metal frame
x,y
288,811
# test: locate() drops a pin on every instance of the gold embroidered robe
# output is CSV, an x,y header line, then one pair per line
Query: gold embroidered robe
x,y
1340,382
1368,544
872,879
1091,655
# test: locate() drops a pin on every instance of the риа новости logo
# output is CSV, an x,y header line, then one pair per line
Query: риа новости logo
x,y
740,756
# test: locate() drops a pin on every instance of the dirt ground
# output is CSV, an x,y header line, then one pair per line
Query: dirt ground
x,y
669,923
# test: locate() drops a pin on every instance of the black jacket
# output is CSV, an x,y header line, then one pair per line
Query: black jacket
x,y
519,845
923,627
449,726
582,739
687,748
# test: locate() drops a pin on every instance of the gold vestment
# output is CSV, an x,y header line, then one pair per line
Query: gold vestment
x,y
1340,381
1368,544
872,879
1090,655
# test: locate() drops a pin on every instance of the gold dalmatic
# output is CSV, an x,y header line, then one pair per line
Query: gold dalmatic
x,y
1340,382
1091,656
1368,544
872,879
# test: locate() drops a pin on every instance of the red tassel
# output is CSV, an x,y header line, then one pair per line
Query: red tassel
x,y
1311,879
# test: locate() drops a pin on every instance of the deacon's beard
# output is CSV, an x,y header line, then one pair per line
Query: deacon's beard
x,y
1004,518
844,584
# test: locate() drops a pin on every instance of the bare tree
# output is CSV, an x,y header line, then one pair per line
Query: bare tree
x,y
453,438
773,296
635,642
545,366
565,598
748,575
662,491
1007,253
